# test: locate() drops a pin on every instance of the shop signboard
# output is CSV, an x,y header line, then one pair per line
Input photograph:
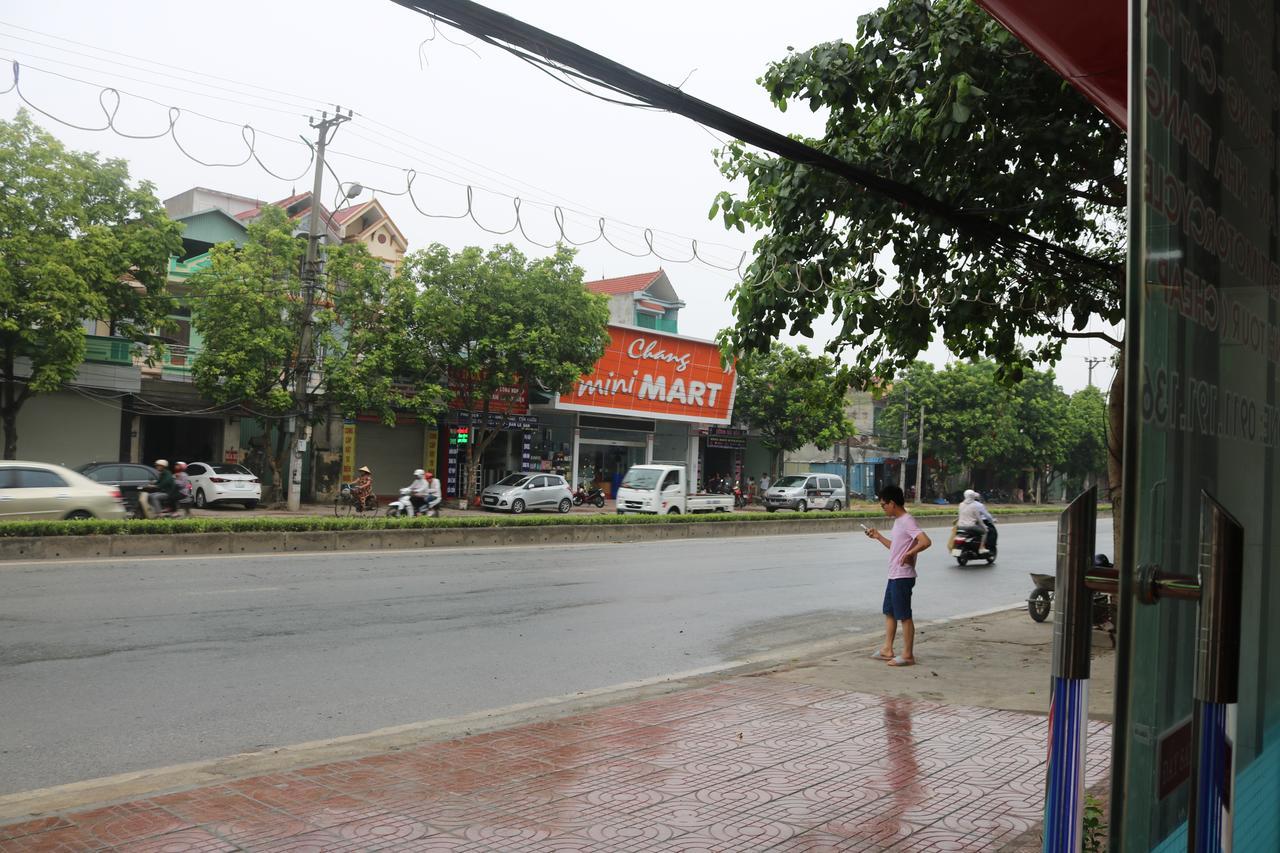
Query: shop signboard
x,y
725,438
650,374
505,399
496,420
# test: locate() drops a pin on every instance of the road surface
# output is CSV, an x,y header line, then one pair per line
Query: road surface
x,y
110,666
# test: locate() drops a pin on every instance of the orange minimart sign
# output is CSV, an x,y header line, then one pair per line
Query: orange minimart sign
x,y
651,374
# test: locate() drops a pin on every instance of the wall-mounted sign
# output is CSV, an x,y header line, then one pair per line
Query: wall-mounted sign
x,y
656,375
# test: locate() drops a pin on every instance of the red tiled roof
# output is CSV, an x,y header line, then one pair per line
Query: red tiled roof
x,y
284,203
625,284
348,212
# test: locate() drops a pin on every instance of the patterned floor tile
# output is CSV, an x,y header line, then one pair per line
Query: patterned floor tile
x,y
120,824
182,841
67,839
31,827
746,764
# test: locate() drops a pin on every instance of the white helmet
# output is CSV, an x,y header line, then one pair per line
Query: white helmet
x,y
971,495
418,472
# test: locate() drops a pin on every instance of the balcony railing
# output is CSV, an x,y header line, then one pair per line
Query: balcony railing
x,y
175,362
101,349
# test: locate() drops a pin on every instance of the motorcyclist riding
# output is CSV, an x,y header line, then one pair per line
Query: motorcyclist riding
x,y
974,518
424,492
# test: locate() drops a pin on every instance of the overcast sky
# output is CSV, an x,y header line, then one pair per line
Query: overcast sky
x,y
459,113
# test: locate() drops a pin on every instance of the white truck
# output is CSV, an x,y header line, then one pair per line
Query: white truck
x,y
664,490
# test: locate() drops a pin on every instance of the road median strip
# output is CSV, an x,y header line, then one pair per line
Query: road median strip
x,y
71,540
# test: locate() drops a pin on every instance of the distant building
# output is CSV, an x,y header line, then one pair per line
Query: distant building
x,y
646,300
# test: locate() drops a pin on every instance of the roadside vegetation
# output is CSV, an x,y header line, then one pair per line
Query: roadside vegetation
x,y
269,524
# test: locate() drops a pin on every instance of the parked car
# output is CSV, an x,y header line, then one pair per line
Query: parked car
x,y
222,482
532,490
36,490
130,477
803,492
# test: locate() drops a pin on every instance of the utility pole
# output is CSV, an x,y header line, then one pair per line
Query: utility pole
x,y
310,281
902,468
848,489
1093,362
920,459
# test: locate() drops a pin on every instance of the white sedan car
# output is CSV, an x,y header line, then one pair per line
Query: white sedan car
x,y
218,482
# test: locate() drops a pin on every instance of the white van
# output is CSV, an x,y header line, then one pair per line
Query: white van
x,y
803,492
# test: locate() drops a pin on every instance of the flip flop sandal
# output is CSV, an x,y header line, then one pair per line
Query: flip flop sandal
x,y
901,661
878,656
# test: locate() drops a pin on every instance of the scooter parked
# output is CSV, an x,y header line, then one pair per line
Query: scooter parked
x,y
594,496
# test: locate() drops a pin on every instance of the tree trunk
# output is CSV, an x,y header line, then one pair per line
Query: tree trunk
x,y
1115,453
13,400
279,488
475,452
10,433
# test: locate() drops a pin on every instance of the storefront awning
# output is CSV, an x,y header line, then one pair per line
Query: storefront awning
x,y
1087,42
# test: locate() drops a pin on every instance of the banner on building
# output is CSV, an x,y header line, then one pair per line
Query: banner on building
x,y
652,374
430,442
348,451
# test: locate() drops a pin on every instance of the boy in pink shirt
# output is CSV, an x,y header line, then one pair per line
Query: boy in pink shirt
x,y
904,542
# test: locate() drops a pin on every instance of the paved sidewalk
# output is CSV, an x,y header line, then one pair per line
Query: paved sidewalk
x,y
751,763
829,752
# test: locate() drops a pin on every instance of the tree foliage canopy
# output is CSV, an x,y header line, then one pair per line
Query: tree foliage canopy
x,y
248,308
979,425
793,398
937,95
73,231
497,319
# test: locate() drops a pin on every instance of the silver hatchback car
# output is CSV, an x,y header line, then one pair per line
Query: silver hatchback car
x,y
533,490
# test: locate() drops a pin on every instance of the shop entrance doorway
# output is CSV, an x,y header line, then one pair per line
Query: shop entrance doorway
x,y
605,463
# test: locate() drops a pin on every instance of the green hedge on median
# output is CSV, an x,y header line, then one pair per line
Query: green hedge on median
x,y
276,524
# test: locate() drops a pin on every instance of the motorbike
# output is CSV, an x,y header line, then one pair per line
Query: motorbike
x,y
739,499
595,496
1040,605
968,546
403,508
144,509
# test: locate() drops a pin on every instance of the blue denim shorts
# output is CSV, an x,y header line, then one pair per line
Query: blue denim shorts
x,y
897,598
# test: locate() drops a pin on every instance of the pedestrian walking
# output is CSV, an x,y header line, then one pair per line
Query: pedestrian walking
x,y
905,542
764,482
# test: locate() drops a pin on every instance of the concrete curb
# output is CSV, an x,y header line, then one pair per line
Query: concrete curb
x,y
207,544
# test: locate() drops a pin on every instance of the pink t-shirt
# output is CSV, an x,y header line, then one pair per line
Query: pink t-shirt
x,y
904,533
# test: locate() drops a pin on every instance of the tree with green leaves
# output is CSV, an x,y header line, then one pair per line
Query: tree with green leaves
x,y
79,243
500,321
970,424
1041,411
1085,459
247,306
979,425
939,96
793,398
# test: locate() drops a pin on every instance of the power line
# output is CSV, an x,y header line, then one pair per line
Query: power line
x,y
553,52
309,104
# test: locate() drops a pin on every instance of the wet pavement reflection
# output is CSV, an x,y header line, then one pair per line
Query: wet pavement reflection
x,y
746,764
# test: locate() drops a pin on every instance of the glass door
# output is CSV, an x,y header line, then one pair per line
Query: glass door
x,y
1202,413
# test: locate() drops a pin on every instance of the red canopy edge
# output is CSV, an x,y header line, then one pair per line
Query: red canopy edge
x,y
1086,41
